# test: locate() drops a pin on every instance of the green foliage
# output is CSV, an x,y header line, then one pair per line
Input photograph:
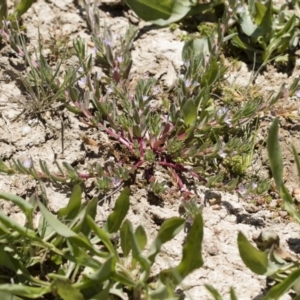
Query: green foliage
x,y
20,8
80,266
265,32
256,28
166,12
268,262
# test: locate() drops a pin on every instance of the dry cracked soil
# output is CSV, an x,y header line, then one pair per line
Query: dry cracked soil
x,y
158,52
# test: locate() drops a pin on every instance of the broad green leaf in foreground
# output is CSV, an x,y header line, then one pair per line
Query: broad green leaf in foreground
x,y
26,207
24,291
103,273
255,260
73,206
125,238
141,237
10,223
189,111
65,290
23,6
169,229
191,253
280,289
116,218
63,230
103,236
160,12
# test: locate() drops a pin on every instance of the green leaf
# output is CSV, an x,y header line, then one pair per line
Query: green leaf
x,y
248,27
63,230
255,260
196,47
104,273
8,261
73,207
288,203
65,290
26,207
10,223
8,296
125,238
232,294
24,291
160,12
213,292
3,11
275,155
23,6
189,111
91,210
58,226
168,230
261,10
116,218
136,251
283,287
103,236
141,237
297,160
191,254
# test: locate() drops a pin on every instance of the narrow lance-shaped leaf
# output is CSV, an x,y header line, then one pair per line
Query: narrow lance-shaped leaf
x,y
23,6
63,230
283,287
189,111
288,203
24,291
297,160
125,238
191,254
73,206
169,229
103,236
136,251
141,237
116,218
275,155
213,292
255,260
10,223
26,207
232,294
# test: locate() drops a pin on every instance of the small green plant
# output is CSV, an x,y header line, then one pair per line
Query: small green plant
x,y
77,259
264,32
20,8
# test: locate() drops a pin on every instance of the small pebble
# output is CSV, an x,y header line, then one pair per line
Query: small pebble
x,y
26,129
283,213
251,208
